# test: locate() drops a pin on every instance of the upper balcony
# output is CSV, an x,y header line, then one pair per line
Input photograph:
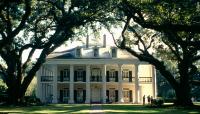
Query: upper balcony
x,y
96,78
46,78
63,78
145,79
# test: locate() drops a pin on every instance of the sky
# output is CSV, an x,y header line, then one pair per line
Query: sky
x,y
70,44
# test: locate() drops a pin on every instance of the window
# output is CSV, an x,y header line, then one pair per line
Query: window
x,y
64,75
96,52
126,94
78,52
96,74
79,75
125,74
112,73
114,52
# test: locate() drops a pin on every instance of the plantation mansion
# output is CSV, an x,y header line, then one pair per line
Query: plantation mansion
x,y
95,74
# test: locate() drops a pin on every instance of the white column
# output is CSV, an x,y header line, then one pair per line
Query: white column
x,y
71,85
87,84
55,98
136,83
153,70
104,83
120,88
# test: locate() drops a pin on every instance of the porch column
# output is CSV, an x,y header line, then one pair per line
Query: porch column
x,y
71,85
153,70
55,99
104,83
120,88
136,83
87,84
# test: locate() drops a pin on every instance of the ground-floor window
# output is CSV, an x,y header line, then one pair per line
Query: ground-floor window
x,y
79,96
64,95
127,95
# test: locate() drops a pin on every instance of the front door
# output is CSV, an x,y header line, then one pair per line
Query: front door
x,y
96,95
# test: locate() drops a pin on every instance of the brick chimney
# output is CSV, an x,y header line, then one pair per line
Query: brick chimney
x,y
104,40
87,41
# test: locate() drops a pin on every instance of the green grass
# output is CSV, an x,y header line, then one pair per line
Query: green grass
x,y
108,109
53,108
139,109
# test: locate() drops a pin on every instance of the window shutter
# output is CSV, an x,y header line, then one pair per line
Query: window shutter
x,y
84,76
68,74
75,96
130,76
107,76
75,76
116,95
116,76
61,96
84,95
107,94
130,96
61,75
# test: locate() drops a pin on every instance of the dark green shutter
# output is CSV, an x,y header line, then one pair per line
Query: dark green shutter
x,y
75,76
84,95
61,96
107,94
61,75
68,75
116,95
116,76
107,76
130,76
130,96
75,96
84,76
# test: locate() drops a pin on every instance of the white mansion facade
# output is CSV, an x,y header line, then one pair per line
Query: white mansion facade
x,y
95,74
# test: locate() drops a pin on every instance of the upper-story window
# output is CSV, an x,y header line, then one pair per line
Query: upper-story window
x,y
114,52
78,52
125,74
96,52
64,75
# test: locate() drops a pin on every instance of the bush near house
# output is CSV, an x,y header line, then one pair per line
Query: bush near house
x,y
157,102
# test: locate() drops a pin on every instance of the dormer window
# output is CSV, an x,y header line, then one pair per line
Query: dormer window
x,y
78,52
114,52
96,52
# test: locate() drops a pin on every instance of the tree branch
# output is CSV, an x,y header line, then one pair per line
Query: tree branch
x,y
24,66
123,43
24,19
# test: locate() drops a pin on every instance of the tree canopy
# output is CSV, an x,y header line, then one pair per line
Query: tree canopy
x,y
39,24
164,32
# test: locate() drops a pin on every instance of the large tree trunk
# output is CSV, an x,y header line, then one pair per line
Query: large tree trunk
x,y
183,97
13,95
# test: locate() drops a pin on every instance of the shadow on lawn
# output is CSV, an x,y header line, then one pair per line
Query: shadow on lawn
x,y
52,108
139,109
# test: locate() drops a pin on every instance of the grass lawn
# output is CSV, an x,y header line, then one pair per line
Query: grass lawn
x,y
53,108
139,109
108,109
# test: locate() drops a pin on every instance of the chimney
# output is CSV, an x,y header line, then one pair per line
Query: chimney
x,y
87,41
104,40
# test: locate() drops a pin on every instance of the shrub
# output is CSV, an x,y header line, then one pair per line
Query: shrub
x,y
157,102
31,100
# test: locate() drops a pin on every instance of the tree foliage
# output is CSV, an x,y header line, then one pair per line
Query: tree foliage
x,y
166,33
39,24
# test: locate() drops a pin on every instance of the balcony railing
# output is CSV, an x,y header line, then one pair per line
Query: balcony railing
x,y
96,78
145,79
46,78
63,78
